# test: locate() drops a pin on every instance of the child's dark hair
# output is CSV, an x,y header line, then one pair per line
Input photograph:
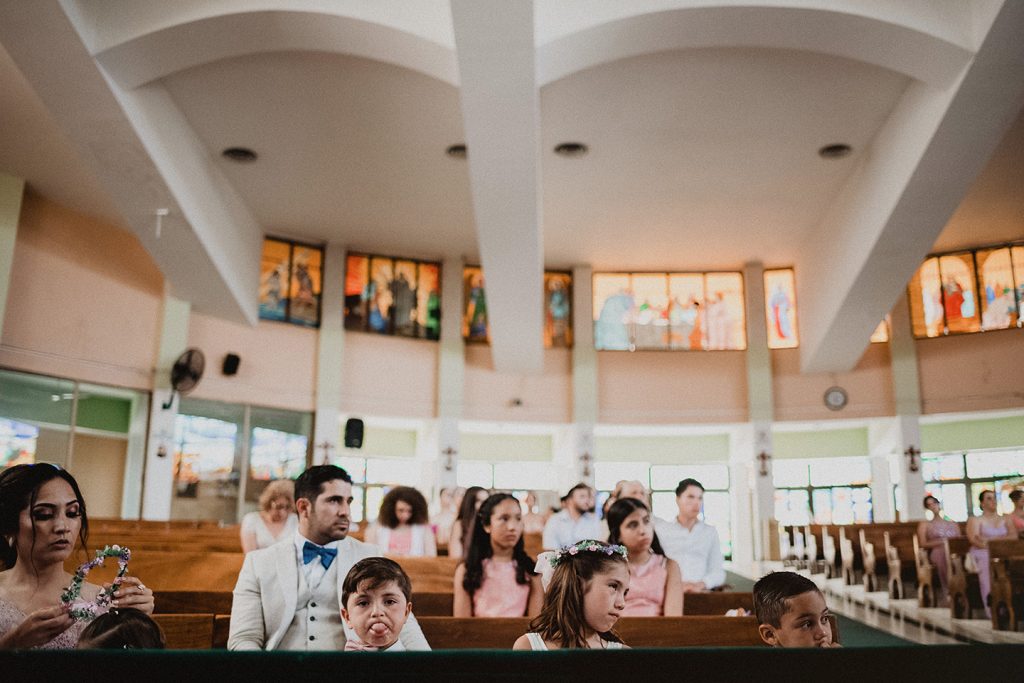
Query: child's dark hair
x,y
772,593
377,571
1016,495
405,494
467,513
561,619
480,549
310,483
19,489
617,514
122,629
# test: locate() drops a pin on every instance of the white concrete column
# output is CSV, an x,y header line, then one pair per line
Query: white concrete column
x,y
135,458
11,191
881,489
451,373
584,379
907,392
741,498
330,359
159,470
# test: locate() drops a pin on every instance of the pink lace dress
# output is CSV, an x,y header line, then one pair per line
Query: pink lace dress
x,y
500,595
11,617
936,529
646,597
980,557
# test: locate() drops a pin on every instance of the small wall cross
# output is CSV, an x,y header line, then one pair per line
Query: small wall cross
x,y
326,447
449,458
764,459
912,454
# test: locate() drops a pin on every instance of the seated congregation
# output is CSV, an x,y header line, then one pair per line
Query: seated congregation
x,y
319,588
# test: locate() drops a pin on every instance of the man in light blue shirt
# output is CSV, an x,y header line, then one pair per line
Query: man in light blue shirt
x,y
691,542
576,521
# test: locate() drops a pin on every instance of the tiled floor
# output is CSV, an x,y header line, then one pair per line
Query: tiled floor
x,y
902,618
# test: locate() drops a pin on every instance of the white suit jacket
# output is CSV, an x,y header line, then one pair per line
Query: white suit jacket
x,y
266,596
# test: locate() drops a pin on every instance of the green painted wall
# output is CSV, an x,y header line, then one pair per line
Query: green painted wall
x,y
505,447
1005,432
835,443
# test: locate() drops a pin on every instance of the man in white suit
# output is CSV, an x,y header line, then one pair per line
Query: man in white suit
x,y
286,597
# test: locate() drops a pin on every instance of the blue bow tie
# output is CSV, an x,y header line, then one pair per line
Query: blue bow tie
x,y
311,550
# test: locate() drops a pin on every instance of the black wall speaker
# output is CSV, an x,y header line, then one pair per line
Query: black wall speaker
x,y
231,362
353,433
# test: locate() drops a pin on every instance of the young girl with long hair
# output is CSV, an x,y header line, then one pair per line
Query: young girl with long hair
x,y
656,582
585,597
497,578
462,529
402,527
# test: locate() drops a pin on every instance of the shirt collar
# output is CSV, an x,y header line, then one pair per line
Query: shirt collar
x,y
301,540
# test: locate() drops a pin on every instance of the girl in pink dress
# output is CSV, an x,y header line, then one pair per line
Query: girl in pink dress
x,y
401,529
930,536
980,530
497,578
656,583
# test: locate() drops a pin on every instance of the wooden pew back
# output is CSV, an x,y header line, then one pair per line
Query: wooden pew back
x,y
1006,563
186,631
716,603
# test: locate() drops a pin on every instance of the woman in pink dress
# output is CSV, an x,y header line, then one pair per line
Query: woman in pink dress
x,y
497,578
930,536
401,528
980,530
1017,516
42,519
656,583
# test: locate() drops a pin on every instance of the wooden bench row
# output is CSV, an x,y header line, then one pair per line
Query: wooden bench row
x,y
205,631
431,604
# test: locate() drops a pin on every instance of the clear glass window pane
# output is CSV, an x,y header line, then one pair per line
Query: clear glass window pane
x,y
982,465
374,497
357,504
832,471
952,498
717,514
793,507
608,474
474,473
862,512
523,475
356,468
822,503
711,476
664,504
790,473
205,479
842,505
403,471
276,454
17,443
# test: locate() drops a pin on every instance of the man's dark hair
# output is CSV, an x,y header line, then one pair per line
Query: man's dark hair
x,y
1016,495
772,594
378,571
406,494
310,483
576,488
687,483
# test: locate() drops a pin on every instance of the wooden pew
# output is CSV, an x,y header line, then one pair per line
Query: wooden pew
x,y
964,590
447,633
716,603
846,555
186,631
927,576
1006,563
219,602
811,550
173,571
430,574
533,544
828,548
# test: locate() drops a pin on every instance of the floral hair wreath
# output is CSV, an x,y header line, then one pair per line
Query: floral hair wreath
x,y
87,611
547,561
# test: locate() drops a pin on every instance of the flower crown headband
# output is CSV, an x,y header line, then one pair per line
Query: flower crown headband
x,y
547,561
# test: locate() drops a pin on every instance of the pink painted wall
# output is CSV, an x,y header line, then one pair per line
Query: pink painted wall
x,y
654,387
278,367
85,299
972,372
800,397
545,398
389,376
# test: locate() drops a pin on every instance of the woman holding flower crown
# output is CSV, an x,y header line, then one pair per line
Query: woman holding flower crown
x,y
42,515
586,586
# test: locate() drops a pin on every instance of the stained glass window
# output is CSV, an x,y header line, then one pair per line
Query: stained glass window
x,y
998,300
291,281
926,300
393,296
474,318
637,311
959,297
780,308
557,305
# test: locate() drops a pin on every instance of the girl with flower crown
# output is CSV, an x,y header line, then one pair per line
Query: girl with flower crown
x,y
585,596
656,583
42,517
497,578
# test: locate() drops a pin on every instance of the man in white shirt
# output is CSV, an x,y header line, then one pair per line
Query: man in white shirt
x,y
575,522
691,542
287,595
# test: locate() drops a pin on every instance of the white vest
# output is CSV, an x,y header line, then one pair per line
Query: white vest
x,y
317,621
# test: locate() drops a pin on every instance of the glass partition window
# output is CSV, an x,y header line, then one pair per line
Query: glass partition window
x,y
608,474
822,490
969,291
780,308
658,311
557,304
277,455
291,280
205,477
17,443
957,479
840,471
393,296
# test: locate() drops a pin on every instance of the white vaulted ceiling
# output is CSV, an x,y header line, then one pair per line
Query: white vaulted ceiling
x,y
703,120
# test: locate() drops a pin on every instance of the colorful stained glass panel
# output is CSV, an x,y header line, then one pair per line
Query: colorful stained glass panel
x,y
780,308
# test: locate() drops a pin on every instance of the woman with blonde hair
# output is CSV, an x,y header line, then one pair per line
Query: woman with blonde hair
x,y
275,521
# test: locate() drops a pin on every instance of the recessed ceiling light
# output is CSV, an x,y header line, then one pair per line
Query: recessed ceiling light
x,y
240,154
836,151
456,151
571,149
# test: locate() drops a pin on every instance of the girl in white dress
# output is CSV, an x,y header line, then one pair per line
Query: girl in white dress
x,y
274,521
586,586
